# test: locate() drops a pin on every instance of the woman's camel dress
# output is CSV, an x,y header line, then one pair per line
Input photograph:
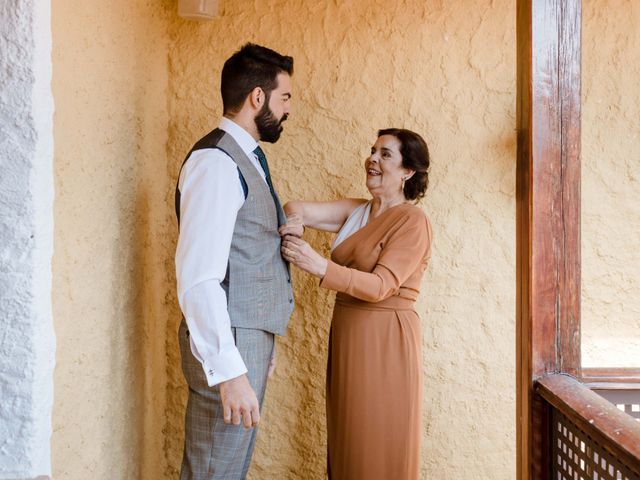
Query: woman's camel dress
x,y
374,379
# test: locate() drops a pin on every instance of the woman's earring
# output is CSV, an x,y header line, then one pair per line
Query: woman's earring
x,y
402,185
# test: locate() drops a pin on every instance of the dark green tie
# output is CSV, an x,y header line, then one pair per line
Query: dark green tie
x,y
265,166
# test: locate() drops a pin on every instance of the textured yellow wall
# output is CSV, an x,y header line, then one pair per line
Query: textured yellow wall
x,y
135,86
611,183
446,70
110,88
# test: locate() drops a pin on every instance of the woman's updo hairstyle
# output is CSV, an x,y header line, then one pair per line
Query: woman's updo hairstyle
x,y
415,156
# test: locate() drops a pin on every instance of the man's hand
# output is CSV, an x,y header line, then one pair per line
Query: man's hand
x,y
239,402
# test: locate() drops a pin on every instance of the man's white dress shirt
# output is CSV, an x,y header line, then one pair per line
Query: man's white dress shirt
x,y
210,196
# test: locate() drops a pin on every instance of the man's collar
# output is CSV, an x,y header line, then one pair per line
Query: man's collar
x,y
243,138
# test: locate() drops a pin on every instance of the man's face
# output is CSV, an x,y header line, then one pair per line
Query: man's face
x,y
275,111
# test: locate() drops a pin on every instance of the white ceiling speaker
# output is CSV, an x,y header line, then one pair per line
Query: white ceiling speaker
x,y
199,10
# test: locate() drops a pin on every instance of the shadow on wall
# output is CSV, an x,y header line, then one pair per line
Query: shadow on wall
x,y
161,391
138,342
175,387
139,335
129,334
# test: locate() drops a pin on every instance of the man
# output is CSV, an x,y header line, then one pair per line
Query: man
x,y
234,288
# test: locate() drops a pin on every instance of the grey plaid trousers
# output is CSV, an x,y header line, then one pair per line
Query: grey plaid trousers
x,y
212,449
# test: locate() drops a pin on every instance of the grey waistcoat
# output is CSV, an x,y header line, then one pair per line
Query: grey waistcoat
x,y
258,281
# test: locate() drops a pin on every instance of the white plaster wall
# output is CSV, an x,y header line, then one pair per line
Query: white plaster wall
x,y
610,183
27,343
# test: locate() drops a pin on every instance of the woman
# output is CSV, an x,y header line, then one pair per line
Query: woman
x,y
374,380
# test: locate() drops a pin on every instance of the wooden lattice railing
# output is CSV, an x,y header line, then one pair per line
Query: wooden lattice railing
x,y
588,437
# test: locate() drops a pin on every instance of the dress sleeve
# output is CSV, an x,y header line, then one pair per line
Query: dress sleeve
x,y
404,251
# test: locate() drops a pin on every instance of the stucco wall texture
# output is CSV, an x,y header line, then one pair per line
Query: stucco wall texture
x,y
135,86
446,70
110,85
611,182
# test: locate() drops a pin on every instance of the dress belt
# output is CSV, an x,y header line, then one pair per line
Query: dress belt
x,y
395,302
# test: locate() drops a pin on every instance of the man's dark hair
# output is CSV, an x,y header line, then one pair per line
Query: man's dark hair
x,y
250,67
415,156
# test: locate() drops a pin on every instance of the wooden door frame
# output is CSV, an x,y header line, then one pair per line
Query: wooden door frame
x,y
547,212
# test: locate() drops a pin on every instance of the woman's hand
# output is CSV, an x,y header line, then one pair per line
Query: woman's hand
x,y
299,253
293,227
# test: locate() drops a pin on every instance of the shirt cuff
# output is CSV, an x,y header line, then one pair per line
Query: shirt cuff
x,y
336,278
223,367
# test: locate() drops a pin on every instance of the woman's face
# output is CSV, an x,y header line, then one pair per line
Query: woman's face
x,y
384,168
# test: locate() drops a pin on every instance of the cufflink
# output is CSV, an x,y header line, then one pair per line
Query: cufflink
x,y
210,372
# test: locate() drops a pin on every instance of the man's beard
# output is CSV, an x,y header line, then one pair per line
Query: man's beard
x,y
269,127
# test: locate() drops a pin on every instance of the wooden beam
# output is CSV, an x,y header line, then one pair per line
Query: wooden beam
x,y
548,212
611,375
